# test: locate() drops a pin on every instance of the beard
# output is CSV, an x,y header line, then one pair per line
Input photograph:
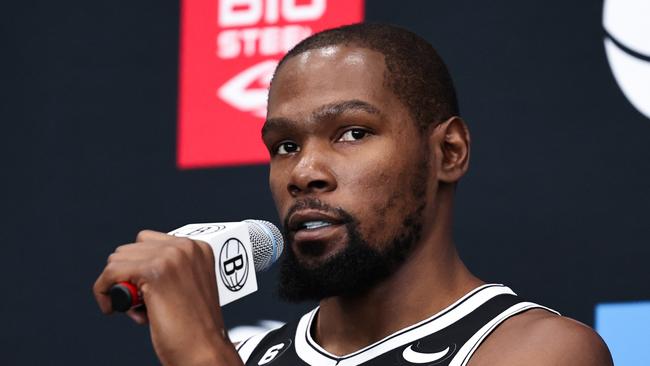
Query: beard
x,y
359,266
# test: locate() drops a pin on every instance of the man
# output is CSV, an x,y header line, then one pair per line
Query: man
x,y
366,149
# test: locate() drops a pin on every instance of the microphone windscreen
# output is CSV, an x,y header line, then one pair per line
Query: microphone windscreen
x,y
266,241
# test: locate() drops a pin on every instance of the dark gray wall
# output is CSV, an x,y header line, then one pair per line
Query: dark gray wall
x,y
555,205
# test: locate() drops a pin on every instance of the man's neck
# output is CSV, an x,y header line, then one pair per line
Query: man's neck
x,y
347,324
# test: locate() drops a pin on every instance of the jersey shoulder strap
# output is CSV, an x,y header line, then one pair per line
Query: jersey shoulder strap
x,y
462,338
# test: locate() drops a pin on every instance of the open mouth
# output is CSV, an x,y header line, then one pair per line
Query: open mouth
x,y
314,236
309,227
309,219
314,232
313,225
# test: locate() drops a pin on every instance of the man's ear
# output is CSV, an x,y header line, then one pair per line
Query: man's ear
x,y
450,140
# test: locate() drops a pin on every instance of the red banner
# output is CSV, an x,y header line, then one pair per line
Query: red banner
x,y
228,52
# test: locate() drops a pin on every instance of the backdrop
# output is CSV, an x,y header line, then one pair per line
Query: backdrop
x,y
555,204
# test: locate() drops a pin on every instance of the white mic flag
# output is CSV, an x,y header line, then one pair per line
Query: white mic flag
x,y
240,249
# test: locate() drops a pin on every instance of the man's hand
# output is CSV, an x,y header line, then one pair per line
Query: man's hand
x,y
177,280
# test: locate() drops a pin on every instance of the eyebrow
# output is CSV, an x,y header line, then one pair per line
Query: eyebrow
x,y
326,111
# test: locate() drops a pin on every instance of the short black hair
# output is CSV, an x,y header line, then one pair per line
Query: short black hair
x,y
415,72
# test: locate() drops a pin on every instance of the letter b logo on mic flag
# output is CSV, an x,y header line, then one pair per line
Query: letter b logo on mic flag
x,y
233,256
228,52
233,264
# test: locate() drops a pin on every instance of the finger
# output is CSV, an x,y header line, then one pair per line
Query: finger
x,y
139,315
136,252
207,281
206,249
126,248
114,272
150,235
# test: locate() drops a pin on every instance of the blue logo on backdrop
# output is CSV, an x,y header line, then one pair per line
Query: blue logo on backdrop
x,y
625,327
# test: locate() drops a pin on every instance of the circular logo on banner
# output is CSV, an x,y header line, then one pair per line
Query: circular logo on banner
x,y
233,264
627,45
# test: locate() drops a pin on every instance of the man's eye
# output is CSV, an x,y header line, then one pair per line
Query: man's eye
x,y
353,135
287,148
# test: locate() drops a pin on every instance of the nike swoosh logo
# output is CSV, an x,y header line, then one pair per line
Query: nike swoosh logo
x,y
419,357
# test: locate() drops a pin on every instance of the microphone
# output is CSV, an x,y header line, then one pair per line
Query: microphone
x,y
240,249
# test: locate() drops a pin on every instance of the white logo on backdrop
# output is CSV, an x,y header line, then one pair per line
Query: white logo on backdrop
x,y
247,90
627,44
243,37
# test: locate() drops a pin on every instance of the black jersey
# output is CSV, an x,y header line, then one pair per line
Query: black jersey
x,y
449,337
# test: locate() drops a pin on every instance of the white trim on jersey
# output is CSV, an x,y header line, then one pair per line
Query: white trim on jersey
x,y
247,347
467,350
310,352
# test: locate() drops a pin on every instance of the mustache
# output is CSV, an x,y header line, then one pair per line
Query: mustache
x,y
315,204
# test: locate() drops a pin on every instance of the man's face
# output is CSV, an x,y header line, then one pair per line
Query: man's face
x,y
349,172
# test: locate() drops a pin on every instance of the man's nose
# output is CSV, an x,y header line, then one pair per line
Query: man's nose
x,y
312,174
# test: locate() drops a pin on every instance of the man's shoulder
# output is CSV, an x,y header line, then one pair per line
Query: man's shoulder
x,y
541,337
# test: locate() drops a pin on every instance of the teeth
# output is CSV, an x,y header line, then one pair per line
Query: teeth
x,y
309,225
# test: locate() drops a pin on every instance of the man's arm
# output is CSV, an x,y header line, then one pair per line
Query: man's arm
x,y
540,338
564,341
